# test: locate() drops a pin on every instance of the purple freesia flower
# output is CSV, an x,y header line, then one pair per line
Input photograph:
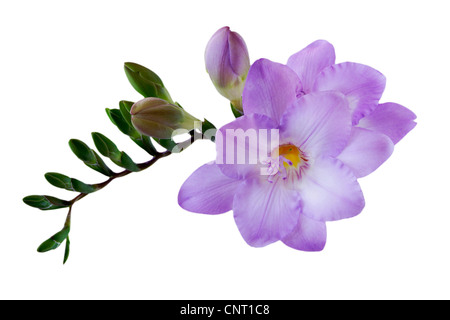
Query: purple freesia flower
x,y
331,131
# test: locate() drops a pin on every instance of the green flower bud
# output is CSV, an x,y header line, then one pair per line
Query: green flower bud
x,y
159,119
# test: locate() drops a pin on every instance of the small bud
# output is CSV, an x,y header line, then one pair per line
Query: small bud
x,y
159,119
227,62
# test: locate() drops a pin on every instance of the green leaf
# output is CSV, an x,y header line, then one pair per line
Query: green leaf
x,y
105,146
55,241
145,143
127,163
59,180
89,157
64,182
146,82
125,108
67,251
82,151
110,150
117,118
101,167
46,202
82,187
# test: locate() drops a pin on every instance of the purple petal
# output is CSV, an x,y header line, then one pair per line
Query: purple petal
x,y
217,57
329,191
318,123
362,85
308,235
239,57
270,88
265,212
208,191
391,119
309,62
366,151
242,144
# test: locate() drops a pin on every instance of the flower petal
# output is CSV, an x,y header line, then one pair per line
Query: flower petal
x,y
318,123
308,235
269,89
329,191
242,144
216,54
265,212
391,119
362,85
309,62
366,151
239,57
208,191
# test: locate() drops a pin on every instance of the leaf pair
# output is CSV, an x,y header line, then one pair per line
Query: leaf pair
x,y
55,241
46,202
108,149
64,182
89,157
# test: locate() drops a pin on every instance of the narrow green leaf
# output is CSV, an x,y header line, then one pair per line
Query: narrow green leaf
x,y
100,166
67,251
82,151
55,241
59,180
127,163
145,143
110,150
116,117
125,108
82,187
64,182
46,202
105,146
89,157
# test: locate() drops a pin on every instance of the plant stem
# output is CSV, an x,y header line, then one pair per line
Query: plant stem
x,y
142,166
145,165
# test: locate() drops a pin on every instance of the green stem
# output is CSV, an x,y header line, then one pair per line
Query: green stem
x,y
143,166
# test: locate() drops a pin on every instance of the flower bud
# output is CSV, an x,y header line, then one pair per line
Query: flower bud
x,y
159,119
228,62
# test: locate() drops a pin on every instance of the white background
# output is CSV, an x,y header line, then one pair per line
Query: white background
x,y
62,65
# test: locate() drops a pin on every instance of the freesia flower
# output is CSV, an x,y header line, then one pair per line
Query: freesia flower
x,y
227,62
331,132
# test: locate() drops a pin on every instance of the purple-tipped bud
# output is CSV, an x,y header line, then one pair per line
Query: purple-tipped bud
x,y
228,62
158,118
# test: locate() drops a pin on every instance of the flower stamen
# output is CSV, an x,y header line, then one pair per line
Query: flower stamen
x,y
284,160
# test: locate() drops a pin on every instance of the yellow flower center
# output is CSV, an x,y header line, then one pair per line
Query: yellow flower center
x,y
291,153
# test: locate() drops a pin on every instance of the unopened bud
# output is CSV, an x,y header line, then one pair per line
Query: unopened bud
x,y
158,118
227,62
